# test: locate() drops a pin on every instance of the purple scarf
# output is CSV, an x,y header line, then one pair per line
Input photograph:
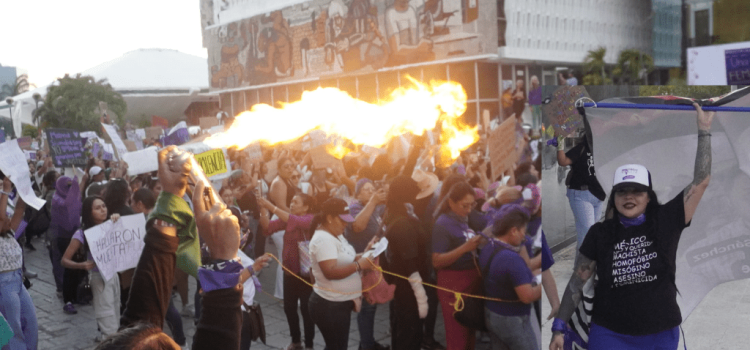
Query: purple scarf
x,y
66,207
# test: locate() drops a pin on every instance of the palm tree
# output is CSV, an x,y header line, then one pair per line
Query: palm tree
x,y
631,65
22,85
594,66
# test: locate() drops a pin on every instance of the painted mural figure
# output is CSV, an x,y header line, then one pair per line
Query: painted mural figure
x,y
230,72
353,39
277,46
402,30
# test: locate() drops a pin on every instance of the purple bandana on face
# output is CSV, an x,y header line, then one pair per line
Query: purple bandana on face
x,y
640,219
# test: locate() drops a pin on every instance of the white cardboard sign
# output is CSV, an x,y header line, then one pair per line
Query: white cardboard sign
x,y
143,161
117,246
116,140
13,163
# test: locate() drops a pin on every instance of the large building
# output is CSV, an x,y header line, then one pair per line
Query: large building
x,y
263,51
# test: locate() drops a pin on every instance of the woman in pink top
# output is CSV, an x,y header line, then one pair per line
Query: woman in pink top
x,y
297,225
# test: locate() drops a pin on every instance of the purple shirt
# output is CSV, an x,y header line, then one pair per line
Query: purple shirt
x,y
507,271
81,238
450,232
535,96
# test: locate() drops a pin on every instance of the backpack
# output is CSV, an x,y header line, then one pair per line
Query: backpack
x,y
38,220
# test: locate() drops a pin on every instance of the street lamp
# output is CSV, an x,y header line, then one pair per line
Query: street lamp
x,y
9,101
37,97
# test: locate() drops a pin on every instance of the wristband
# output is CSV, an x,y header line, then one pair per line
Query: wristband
x,y
220,274
559,325
359,269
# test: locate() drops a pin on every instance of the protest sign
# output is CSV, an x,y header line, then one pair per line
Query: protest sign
x,y
35,145
89,135
254,152
117,246
213,162
141,133
503,147
109,152
738,66
65,147
159,122
177,136
116,140
321,159
208,122
130,145
560,111
13,163
141,162
24,142
216,129
153,132
132,135
30,155
486,120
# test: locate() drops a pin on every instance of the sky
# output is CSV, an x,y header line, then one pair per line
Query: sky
x,y
48,38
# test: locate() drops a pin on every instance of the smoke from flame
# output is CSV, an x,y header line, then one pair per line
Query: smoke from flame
x,y
412,109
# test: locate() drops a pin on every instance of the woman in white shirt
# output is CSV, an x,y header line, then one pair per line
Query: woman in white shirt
x,y
336,268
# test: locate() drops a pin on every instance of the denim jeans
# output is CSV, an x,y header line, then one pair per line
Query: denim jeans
x,y
333,319
603,338
55,258
510,332
174,321
366,324
19,311
587,210
295,290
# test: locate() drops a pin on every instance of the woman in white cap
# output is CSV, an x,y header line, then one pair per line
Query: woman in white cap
x,y
633,253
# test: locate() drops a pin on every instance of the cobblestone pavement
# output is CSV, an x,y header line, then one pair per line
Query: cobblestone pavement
x,y
58,330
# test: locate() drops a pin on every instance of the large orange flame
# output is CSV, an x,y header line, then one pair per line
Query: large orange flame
x,y
413,109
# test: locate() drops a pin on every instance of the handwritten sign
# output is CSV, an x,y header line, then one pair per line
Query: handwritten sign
x,y
213,162
561,112
65,147
321,159
254,152
153,132
13,164
141,133
30,155
503,147
143,161
89,135
130,145
132,135
116,140
208,122
117,246
738,66
24,142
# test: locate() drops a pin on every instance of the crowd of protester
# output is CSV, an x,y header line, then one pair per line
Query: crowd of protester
x,y
444,225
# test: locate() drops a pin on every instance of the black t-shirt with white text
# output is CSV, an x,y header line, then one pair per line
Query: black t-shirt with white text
x,y
584,173
636,293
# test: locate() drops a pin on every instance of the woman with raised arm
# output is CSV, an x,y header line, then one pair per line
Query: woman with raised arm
x,y
633,253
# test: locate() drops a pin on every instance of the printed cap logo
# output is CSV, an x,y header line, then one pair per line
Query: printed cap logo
x,y
629,177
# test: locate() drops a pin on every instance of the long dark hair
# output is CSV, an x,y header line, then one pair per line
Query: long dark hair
x,y
457,192
651,207
116,196
309,201
87,219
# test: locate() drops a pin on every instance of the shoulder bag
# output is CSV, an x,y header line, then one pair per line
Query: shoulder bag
x,y
472,315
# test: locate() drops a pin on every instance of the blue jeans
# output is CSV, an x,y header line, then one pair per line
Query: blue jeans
x,y
333,319
587,210
603,338
18,309
366,324
510,332
174,321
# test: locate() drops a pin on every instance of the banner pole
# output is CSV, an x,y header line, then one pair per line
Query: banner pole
x,y
665,107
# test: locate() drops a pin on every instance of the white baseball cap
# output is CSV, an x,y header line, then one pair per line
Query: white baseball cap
x,y
632,175
95,170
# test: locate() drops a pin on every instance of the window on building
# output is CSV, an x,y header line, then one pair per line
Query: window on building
x,y
463,73
387,82
264,96
502,23
702,31
251,98
367,88
294,92
348,85
279,95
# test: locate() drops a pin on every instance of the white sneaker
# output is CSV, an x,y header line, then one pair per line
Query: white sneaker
x,y
187,312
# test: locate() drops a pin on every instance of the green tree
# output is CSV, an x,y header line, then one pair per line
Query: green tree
x,y
594,68
631,65
22,85
73,102
30,130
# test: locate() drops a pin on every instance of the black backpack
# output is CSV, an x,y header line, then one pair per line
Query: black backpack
x,y
38,220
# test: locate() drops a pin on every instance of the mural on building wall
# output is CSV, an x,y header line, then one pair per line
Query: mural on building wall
x,y
333,37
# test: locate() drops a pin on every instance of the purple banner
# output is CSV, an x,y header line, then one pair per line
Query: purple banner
x,y
176,138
